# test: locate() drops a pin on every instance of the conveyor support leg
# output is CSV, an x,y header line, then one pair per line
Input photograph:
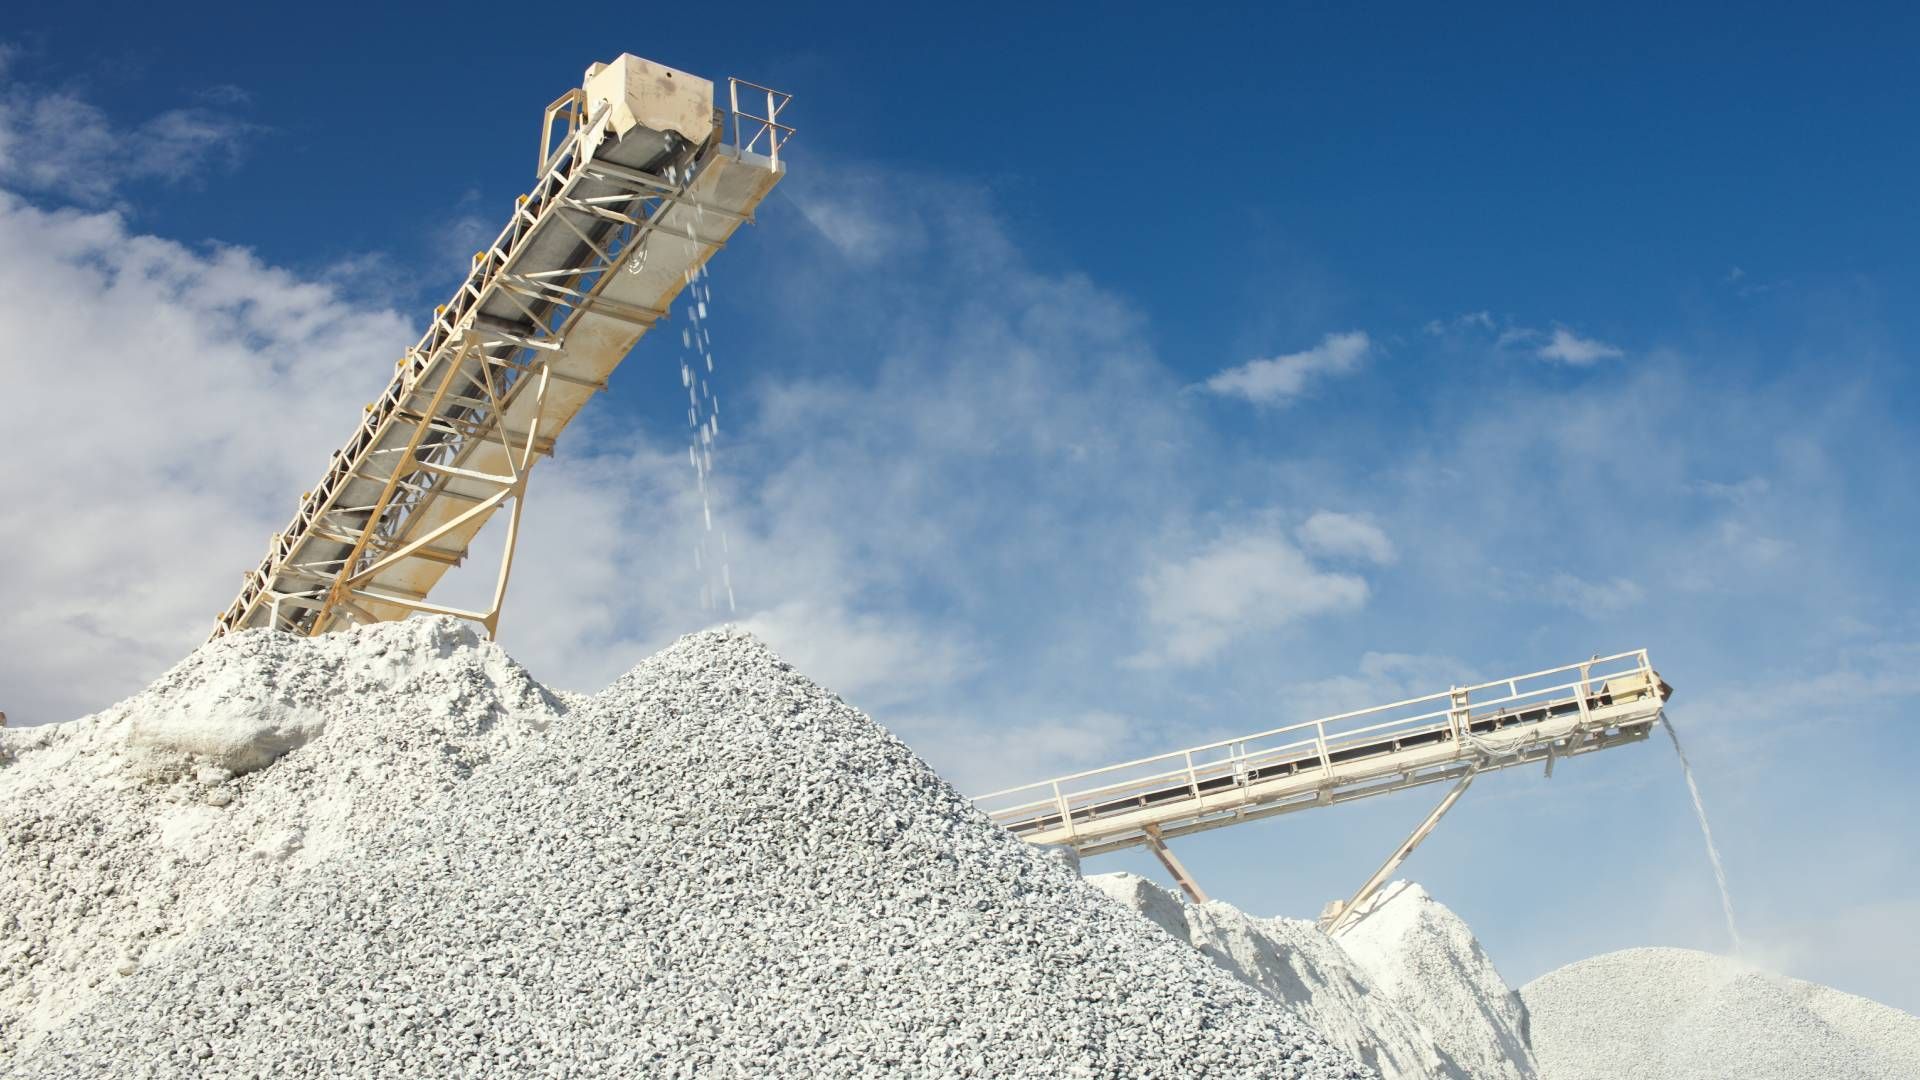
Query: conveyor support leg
x,y
1179,872
1343,914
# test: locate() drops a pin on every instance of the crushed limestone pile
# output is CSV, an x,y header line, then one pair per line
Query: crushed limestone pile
x,y
1677,1014
124,834
390,852
1419,953
1406,989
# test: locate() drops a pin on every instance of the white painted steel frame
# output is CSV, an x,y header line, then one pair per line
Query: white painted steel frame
x,y
1581,707
452,390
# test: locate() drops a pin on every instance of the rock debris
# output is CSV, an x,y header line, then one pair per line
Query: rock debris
x,y
391,853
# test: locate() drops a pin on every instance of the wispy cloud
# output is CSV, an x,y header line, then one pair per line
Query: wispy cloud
x,y
1570,348
1345,536
974,757
63,145
859,212
1472,320
1247,578
1739,493
466,230
1380,677
882,660
1278,380
197,347
1560,344
1585,597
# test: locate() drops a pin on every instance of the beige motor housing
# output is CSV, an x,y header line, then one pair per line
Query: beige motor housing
x,y
645,94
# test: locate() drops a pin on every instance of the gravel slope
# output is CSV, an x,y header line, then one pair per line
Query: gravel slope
x,y
1424,956
1407,989
1669,1014
712,868
124,834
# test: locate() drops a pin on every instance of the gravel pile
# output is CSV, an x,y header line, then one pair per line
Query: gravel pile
x,y
1407,989
712,868
124,834
1669,1014
1420,954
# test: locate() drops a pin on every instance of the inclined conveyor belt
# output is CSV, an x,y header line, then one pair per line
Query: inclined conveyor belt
x,y
1542,716
642,187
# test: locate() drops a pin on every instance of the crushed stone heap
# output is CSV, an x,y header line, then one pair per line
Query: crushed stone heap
x,y
1406,989
1677,1014
390,852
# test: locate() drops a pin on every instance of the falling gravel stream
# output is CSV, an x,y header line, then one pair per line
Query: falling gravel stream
x,y
1713,850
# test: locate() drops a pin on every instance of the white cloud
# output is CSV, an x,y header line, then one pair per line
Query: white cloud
x,y
1560,344
1591,597
1570,348
1472,320
61,144
1380,679
467,229
975,758
1740,493
177,401
878,661
858,212
1345,536
1280,379
1249,578
857,234
1749,547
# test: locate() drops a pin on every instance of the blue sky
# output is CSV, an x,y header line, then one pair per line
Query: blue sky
x,y
1098,382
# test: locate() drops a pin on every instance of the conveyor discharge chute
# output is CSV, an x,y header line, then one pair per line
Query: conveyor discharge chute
x,y
641,180
1450,736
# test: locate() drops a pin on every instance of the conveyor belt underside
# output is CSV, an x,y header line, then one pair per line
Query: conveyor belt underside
x,y
592,259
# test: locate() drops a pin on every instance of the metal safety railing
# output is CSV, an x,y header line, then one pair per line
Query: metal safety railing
x,y
569,111
1219,767
564,164
749,128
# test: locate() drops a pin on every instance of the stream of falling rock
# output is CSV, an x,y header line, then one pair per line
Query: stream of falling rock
x,y
703,422
1713,850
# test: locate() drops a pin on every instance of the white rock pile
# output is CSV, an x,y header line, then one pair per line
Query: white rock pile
x,y
1409,992
1676,1014
1406,989
392,853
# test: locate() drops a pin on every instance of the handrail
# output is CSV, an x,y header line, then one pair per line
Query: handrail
x,y
1180,765
560,166
768,126
408,373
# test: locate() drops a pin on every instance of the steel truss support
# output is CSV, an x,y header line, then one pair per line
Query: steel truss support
x,y
520,460
1339,914
435,432
1175,867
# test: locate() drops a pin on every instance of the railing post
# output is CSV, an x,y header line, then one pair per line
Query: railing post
x,y
1066,816
1320,742
1193,778
773,133
1586,692
733,110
